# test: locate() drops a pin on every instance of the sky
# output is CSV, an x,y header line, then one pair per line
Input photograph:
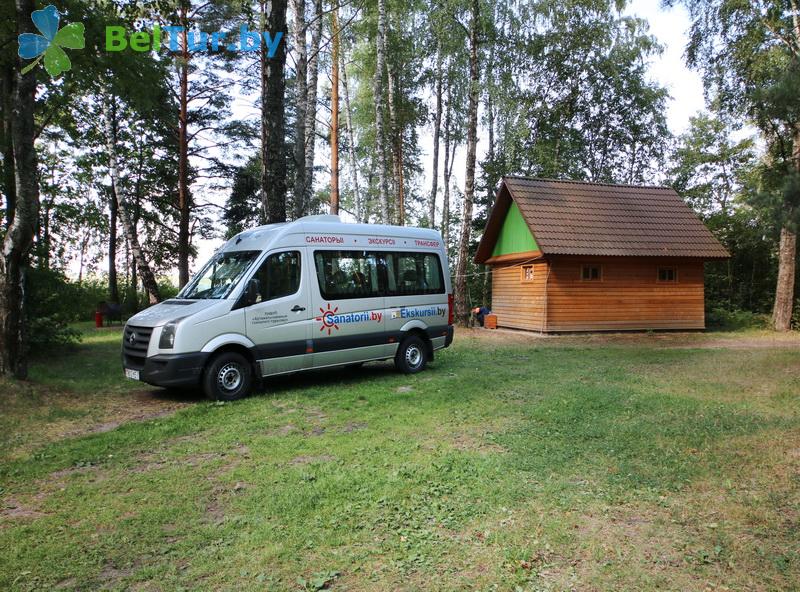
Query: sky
x,y
670,27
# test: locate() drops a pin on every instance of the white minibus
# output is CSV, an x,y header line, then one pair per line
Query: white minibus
x,y
282,298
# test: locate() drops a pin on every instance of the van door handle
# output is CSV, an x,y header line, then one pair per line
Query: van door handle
x,y
298,308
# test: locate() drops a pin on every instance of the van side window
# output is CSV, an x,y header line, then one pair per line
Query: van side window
x,y
413,274
347,274
279,275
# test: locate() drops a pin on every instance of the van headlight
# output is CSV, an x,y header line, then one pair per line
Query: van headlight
x,y
167,340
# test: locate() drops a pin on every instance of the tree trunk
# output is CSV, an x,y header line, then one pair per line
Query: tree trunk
x,y
19,236
113,286
9,185
784,291
273,161
84,248
183,154
44,246
148,278
334,113
462,309
787,255
397,146
380,145
437,124
301,96
351,145
311,108
134,285
448,167
396,135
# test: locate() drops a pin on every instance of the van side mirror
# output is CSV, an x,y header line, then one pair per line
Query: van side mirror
x,y
250,294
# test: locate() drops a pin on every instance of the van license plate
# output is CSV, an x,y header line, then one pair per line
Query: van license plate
x,y
134,374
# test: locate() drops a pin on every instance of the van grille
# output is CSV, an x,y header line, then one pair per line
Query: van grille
x,y
135,341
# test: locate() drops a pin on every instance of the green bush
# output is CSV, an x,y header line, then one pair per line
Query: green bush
x,y
725,318
52,304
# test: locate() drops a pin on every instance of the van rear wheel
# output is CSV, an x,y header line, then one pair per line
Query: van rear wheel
x,y
412,355
228,377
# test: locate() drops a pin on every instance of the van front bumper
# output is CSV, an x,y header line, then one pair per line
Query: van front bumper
x,y
174,370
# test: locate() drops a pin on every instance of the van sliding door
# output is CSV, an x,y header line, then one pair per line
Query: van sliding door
x,y
348,308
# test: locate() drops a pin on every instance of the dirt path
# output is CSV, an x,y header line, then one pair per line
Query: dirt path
x,y
37,415
143,405
744,340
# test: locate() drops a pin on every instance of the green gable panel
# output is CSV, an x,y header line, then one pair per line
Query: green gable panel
x,y
515,236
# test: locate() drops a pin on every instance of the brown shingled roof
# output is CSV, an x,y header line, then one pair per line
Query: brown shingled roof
x,y
580,218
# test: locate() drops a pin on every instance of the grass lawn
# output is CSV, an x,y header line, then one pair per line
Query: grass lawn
x,y
512,463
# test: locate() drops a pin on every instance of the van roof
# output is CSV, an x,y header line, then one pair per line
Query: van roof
x,y
262,237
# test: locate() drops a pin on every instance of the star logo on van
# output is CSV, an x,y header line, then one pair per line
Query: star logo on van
x,y
327,319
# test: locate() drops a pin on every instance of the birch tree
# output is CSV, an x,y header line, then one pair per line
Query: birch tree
x,y
397,139
351,143
334,205
380,140
310,141
437,125
19,235
300,98
462,307
110,130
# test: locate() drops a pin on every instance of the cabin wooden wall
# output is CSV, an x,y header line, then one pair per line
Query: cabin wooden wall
x,y
519,304
628,296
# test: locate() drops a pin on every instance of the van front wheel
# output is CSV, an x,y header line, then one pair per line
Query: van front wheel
x,y
412,355
228,377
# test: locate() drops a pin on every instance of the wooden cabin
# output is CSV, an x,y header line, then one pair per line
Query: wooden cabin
x,y
577,256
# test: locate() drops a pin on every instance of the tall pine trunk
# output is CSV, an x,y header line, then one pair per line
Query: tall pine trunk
x,y
311,107
9,184
787,256
110,129
301,92
273,160
334,113
784,291
462,307
183,154
19,236
351,145
380,143
448,168
437,124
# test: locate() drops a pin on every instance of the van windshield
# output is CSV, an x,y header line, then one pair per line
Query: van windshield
x,y
219,276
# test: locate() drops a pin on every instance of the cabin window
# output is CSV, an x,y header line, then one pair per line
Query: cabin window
x,y
667,274
591,273
526,274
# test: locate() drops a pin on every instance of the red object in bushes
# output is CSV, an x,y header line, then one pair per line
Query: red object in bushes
x,y
98,319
